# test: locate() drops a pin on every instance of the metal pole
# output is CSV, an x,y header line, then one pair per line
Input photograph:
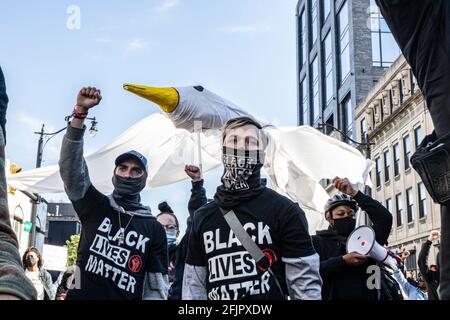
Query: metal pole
x,y
33,222
198,130
40,147
35,202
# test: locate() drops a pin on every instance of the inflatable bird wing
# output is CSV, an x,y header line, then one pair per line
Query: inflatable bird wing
x,y
297,158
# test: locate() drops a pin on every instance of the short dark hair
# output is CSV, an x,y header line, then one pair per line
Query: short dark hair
x,y
166,209
36,251
242,121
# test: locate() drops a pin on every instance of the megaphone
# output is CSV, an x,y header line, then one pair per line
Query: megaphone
x,y
362,241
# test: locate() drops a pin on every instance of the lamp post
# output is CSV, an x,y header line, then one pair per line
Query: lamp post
x,y
364,143
41,145
36,198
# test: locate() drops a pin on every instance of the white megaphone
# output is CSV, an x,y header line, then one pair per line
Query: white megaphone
x,y
362,241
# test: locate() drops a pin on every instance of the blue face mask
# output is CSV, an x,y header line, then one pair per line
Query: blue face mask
x,y
171,239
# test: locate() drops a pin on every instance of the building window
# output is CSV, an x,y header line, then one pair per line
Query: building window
x,y
303,37
389,204
326,9
411,263
314,11
378,171
348,116
399,206
344,44
418,136
315,85
363,124
396,159
304,102
328,66
410,204
422,198
387,165
407,151
384,48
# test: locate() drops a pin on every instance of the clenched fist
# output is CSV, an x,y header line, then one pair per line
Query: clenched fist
x,y
87,98
434,235
193,172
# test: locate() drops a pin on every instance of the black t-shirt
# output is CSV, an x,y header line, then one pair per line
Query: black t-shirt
x,y
275,223
108,268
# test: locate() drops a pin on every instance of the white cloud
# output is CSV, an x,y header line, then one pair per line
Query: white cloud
x,y
167,5
244,29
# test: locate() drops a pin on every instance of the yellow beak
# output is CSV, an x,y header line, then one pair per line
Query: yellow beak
x,y
166,98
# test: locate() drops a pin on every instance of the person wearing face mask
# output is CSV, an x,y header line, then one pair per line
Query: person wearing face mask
x,y
218,266
345,274
169,221
122,253
41,278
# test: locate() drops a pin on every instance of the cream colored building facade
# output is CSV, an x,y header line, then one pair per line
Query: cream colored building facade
x,y
395,118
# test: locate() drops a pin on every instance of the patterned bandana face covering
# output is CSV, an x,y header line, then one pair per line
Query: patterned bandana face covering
x,y
241,169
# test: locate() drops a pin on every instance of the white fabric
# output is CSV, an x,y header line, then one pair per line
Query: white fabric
x,y
167,149
37,283
297,157
213,110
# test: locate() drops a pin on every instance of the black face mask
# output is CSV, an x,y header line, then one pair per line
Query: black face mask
x,y
127,190
345,226
30,261
241,179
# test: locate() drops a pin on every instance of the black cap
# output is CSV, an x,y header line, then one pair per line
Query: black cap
x,y
132,155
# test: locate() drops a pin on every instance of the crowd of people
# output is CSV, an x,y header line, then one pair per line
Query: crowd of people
x,y
248,242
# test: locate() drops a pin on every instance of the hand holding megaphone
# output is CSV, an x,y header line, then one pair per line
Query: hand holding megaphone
x,y
362,241
354,258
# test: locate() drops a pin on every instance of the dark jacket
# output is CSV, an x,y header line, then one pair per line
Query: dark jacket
x,y
13,280
3,103
67,281
197,200
341,281
431,277
422,31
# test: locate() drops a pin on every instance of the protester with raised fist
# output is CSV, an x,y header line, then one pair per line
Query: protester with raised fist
x,y
122,253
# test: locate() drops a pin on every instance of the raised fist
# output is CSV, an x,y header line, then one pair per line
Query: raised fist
x,y
87,98
193,172
434,235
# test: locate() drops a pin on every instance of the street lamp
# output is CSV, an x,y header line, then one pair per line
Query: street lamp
x,y
36,198
41,145
364,143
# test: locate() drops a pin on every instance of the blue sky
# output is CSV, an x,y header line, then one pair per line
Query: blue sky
x,y
244,50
